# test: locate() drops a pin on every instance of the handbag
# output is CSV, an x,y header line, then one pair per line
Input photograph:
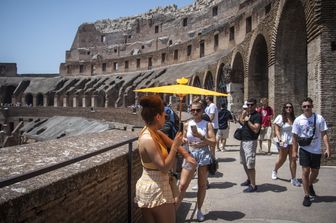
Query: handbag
x,y
173,184
213,166
303,141
238,134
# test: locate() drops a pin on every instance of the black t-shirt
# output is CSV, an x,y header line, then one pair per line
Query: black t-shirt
x,y
247,133
223,117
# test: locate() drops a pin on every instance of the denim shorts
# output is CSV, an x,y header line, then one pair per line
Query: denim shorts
x,y
308,159
202,156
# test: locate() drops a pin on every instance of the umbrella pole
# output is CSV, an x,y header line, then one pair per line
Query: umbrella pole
x,y
180,115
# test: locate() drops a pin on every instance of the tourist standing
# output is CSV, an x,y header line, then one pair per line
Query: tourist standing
x,y
199,135
224,116
309,125
154,194
266,113
212,111
251,122
283,132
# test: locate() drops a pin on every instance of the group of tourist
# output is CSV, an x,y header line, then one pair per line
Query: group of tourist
x,y
208,129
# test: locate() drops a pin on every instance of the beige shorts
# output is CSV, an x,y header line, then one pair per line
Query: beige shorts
x,y
223,133
265,133
248,150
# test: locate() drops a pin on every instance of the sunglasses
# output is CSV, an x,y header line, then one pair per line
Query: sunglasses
x,y
250,105
288,107
195,110
306,106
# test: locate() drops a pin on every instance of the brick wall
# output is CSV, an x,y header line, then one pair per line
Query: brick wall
x,y
94,193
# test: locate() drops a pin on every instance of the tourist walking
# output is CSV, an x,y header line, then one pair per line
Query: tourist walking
x,y
283,134
251,122
266,113
199,135
154,194
212,111
308,131
224,116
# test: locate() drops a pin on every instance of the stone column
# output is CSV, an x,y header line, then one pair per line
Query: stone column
x,y
34,101
84,101
93,101
106,101
45,100
65,101
56,100
74,102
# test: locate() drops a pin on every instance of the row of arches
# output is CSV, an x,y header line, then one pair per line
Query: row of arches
x,y
252,72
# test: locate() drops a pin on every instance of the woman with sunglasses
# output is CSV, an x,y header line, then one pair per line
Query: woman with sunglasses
x,y
154,195
199,135
283,130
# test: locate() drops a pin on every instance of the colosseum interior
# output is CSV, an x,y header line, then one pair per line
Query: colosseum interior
x,y
284,50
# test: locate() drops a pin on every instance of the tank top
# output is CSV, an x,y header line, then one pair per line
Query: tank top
x,y
202,128
160,146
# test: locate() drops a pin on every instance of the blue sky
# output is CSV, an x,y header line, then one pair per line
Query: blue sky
x,y
36,33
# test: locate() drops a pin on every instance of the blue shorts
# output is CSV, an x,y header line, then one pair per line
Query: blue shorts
x,y
202,156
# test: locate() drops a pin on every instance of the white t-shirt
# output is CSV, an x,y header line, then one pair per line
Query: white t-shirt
x,y
212,109
285,130
304,127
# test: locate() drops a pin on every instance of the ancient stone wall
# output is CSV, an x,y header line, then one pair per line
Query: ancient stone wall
x,y
93,190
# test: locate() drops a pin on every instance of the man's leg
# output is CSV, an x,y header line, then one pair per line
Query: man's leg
x,y
269,145
305,179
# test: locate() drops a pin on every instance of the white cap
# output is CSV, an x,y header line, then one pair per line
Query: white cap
x,y
245,105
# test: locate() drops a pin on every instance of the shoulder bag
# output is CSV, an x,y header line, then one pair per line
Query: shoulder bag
x,y
303,141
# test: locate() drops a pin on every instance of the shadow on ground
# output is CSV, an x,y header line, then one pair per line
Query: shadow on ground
x,y
183,212
226,160
221,185
271,187
327,199
224,215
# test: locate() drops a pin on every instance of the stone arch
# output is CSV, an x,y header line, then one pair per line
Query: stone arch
x,y
50,98
7,94
236,89
100,99
29,99
39,99
222,80
290,55
208,81
197,82
257,85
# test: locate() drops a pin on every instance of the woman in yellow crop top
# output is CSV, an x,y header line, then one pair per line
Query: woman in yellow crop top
x,y
153,192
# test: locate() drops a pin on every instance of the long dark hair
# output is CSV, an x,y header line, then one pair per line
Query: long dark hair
x,y
151,106
286,116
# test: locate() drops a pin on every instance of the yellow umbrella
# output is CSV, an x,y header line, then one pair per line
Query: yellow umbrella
x,y
181,89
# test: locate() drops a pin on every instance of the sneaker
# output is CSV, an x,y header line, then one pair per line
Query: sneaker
x,y
200,216
250,189
195,187
295,182
274,175
245,183
306,201
312,191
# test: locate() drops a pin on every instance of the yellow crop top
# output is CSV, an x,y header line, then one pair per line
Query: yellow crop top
x,y
161,146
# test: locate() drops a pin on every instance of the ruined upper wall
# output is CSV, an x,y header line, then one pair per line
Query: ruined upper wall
x,y
157,29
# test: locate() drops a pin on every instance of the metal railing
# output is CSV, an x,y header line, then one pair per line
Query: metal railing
x,y
30,174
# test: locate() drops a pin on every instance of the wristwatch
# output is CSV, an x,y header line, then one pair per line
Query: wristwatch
x,y
203,137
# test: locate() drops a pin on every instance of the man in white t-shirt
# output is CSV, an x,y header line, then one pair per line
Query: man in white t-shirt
x,y
212,111
309,155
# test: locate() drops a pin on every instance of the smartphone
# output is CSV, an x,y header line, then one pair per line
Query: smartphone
x,y
193,128
181,127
